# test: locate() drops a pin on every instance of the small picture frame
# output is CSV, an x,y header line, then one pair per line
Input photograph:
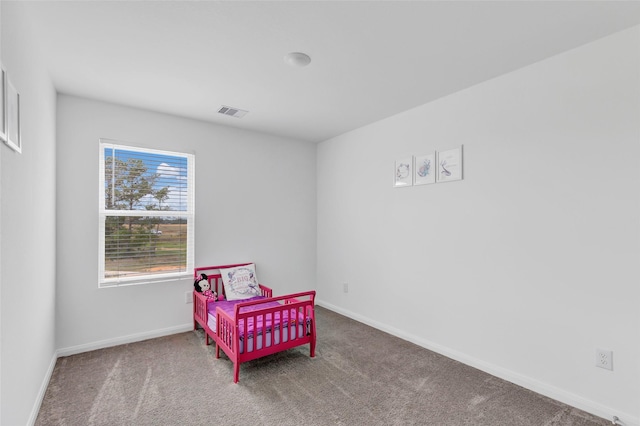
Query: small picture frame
x,y
14,134
450,165
3,105
424,169
403,172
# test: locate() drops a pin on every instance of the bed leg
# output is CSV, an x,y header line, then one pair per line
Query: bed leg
x,y
312,344
217,351
236,372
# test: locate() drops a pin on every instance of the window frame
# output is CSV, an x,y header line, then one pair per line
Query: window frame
x,y
103,213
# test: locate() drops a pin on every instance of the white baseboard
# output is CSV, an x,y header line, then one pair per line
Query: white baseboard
x,y
43,389
545,389
124,340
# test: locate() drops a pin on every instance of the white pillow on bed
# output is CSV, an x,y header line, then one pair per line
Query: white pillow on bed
x,y
240,282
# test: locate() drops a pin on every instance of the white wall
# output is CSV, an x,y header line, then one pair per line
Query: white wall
x,y
28,229
530,263
0,244
255,201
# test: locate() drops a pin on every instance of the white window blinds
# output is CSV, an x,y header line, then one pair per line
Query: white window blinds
x,y
146,214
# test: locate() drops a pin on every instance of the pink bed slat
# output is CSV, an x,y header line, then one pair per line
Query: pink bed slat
x,y
298,309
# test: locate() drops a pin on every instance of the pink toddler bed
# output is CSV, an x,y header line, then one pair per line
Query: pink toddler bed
x,y
255,327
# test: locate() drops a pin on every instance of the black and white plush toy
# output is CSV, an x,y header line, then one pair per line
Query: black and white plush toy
x,y
201,285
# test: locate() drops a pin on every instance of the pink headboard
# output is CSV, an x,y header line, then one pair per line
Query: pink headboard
x,y
214,276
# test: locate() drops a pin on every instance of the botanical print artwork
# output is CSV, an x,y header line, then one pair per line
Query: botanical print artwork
x,y
403,175
402,171
425,170
450,165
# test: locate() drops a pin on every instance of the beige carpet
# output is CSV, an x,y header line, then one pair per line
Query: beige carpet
x,y
360,376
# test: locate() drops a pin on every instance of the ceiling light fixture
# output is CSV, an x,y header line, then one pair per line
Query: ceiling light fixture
x,y
297,59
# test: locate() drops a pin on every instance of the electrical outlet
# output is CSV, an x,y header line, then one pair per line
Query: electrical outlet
x,y
188,297
345,287
604,359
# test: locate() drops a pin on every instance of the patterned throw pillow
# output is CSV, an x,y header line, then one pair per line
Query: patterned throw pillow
x,y
240,282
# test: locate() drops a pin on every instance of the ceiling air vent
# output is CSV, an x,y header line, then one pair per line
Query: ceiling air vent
x,y
232,112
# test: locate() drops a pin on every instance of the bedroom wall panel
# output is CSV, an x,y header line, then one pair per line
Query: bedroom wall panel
x,y
255,201
0,244
527,265
27,228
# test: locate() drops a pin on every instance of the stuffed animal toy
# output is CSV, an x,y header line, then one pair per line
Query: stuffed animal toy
x,y
201,285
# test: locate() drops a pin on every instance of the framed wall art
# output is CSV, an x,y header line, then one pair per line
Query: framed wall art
x,y
14,134
403,174
3,105
450,165
424,169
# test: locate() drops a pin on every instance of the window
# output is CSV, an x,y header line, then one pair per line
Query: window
x,y
146,215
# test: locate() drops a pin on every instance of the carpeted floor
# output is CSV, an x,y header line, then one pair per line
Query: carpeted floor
x,y
360,376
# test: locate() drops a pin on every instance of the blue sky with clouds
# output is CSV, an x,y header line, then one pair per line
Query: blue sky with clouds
x,y
170,171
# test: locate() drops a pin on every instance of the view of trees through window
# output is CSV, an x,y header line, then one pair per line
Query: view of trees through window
x,y
145,212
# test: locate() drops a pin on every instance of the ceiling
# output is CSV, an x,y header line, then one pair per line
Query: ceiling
x,y
370,60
